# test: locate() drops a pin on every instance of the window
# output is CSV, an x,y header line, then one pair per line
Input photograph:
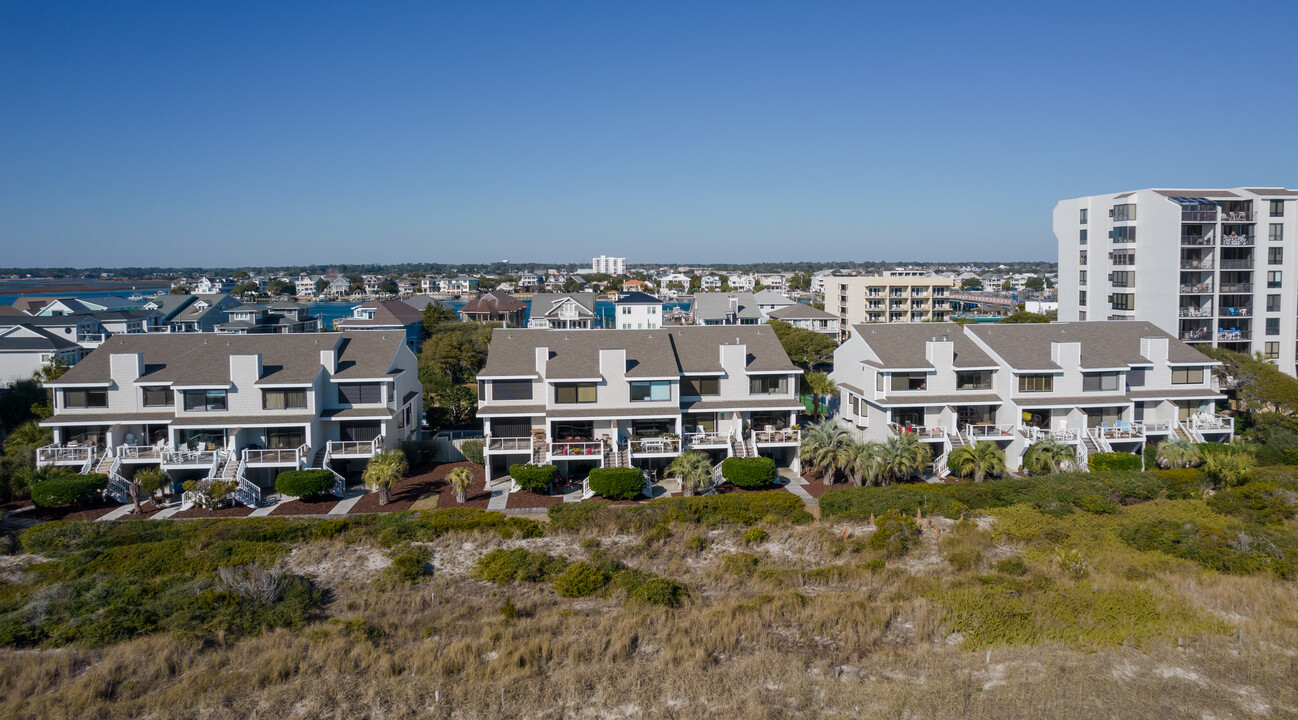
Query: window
x,y
1081,238
658,390
626,309
158,397
1276,233
1277,208
1273,278
285,438
1123,301
360,393
1081,277
1124,234
1122,278
1081,297
1124,213
878,382
511,389
482,390
1123,258
1187,376
1100,382
1275,256
283,400
204,400
85,398
909,381
700,386
1273,303
1272,351
1273,326
973,380
1081,257
777,385
1036,383
569,393
1085,211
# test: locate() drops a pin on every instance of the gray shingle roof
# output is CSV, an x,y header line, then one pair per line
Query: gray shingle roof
x,y
545,304
801,311
30,337
1105,344
637,298
901,345
715,305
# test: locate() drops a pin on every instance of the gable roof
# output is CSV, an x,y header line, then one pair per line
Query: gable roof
x,y
717,305
902,345
801,311
547,304
386,312
493,302
637,298
770,297
1104,344
32,338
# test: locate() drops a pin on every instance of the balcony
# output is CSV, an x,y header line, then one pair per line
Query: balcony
x,y
1197,288
509,444
706,439
771,436
1210,423
655,446
64,455
1192,312
1197,240
188,458
141,453
1157,427
91,338
989,432
1233,335
1198,216
925,432
1237,311
275,456
1232,288
1236,241
1200,335
1237,264
1036,434
1196,263
577,448
1239,216
1122,432
355,448
916,292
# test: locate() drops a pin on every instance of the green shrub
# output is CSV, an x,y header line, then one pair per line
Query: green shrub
x,y
1182,483
740,563
472,451
534,477
1115,461
659,591
1214,541
68,489
755,535
696,544
895,534
1257,503
617,483
963,560
750,473
304,483
580,579
707,510
409,566
505,567
419,452
1012,566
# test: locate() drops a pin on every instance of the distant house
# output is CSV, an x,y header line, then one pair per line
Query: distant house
x,y
25,349
807,317
277,317
637,311
725,309
304,285
191,313
407,286
461,284
495,306
213,286
710,282
83,330
636,286
774,281
385,316
769,301
528,280
741,283
564,311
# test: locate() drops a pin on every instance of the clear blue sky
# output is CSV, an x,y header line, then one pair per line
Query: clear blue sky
x,y
231,133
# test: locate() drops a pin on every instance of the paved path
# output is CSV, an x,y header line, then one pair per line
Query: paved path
x,y
794,485
353,496
167,512
499,496
117,514
264,511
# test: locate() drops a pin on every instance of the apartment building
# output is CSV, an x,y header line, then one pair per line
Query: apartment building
x,y
237,407
893,297
636,397
1100,386
1218,267
608,265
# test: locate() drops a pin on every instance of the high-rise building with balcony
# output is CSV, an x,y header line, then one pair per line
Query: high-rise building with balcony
x,y
895,296
609,265
1213,267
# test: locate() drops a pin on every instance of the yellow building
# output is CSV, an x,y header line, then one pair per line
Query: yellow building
x,y
895,296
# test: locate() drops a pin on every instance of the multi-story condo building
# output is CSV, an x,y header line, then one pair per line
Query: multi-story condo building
x,y
636,397
1100,386
637,311
1218,267
608,265
894,297
236,407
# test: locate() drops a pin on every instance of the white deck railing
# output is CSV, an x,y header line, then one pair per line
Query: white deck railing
x,y
188,457
1158,426
141,453
362,448
789,435
571,448
1211,423
509,444
925,432
1036,434
1131,431
650,446
989,432
64,455
705,439
276,456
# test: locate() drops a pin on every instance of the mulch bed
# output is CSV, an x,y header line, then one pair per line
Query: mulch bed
x,y
315,506
732,489
225,512
432,481
816,486
529,499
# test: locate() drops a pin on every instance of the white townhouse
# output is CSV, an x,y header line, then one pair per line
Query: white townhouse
x,y
741,283
710,282
1214,266
637,311
527,280
236,407
1100,386
636,397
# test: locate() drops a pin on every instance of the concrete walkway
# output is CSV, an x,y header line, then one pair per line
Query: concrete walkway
x,y
167,512
117,514
264,511
353,496
794,485
499,496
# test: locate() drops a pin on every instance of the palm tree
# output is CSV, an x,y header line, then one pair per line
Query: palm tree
x,y
821,386
1049,458
383,471
145,483
1229,468
983,459
26,438
694,469
460,479
868,464
1178,452
828,446
904,455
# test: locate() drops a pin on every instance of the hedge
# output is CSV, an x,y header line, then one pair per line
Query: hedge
x,y
1115,461
68,489
617,483
304,483
749,473
472,451
706,510
534,477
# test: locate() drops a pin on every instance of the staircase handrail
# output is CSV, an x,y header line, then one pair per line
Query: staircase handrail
x,y
246,491
90,462
339,488
1083,458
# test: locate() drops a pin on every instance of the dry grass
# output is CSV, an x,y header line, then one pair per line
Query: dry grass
x,y
810,623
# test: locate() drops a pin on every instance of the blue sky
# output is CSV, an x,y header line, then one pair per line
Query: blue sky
x,y
274,132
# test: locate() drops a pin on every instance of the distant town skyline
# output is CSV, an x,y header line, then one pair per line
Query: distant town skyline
x,y
165,134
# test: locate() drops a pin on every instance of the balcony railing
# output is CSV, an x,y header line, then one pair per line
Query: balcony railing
x,y
705,439
1239,216
1237,264
1231,288
1236,241
1196,264
91,338
654,446
788,435
1197,240
275,456
989,432
64,454
925,432
1189,312
1197,288
141,453
362,448
1036,434
509,444
1237,311
188,457
1200,335
1129,431
1198,216
1161,427
1211,423
569,448
1233,335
